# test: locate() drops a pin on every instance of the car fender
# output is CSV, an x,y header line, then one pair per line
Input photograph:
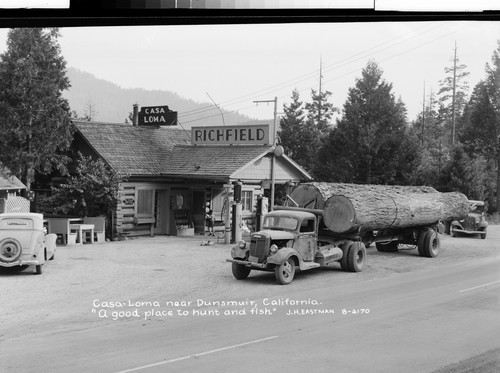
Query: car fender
x,y
50,244
282,255
456,224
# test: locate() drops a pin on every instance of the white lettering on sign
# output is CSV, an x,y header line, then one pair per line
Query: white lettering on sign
x,y
154,110
152,119
254,135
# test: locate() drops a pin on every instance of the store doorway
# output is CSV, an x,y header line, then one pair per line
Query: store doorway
x,y
162,214
198,211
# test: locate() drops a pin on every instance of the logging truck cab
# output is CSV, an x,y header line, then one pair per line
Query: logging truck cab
x,y
289,241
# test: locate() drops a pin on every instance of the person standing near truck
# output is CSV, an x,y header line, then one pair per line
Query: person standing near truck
x,y
209,219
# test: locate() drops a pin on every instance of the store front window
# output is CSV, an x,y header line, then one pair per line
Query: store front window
x,y
246,200
145,202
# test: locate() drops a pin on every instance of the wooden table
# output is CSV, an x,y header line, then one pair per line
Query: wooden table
x,y
81,229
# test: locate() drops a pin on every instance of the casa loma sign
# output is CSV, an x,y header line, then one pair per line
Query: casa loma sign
x,y
157,116
226,135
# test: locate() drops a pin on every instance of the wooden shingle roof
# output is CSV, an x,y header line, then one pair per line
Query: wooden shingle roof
x,y
167,152
132,150
215,161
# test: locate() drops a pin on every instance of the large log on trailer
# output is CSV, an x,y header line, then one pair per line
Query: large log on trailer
x,y
366,210
314,195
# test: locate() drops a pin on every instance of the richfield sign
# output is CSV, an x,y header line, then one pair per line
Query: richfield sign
x,y
157,116
227,135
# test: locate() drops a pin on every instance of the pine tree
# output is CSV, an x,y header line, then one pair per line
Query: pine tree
x,y
34,117
452,97
370,143
481,133
291,127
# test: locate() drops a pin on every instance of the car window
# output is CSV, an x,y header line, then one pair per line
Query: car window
x,y
16,224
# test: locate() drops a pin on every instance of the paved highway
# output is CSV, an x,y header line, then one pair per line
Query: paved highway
x,y
408,322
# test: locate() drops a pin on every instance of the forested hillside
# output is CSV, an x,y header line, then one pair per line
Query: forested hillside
x,y
107,102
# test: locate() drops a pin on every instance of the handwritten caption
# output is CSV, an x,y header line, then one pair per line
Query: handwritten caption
x,y
147,310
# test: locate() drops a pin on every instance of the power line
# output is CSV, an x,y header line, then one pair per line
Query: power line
x,y
308,76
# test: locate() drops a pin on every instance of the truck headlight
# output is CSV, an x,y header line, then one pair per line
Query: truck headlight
x,y
273,249
242,244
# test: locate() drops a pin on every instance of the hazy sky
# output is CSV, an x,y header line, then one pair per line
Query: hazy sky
x,y
239,64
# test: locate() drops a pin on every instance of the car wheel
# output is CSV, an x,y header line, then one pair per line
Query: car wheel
x,y
240,272
285,272
10,250
356,257
38,269
483,235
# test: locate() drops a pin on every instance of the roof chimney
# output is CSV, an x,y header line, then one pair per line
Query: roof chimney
x,y
135,115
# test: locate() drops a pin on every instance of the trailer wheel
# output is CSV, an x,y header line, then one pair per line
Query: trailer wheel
x,y
356,257
345,251
284,272
428,244
240,272
391,247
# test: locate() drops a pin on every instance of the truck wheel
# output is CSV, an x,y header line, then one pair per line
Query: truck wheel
x,y
240,272
428,244
391,247
284,272
356,257
345,251
38,269
483,235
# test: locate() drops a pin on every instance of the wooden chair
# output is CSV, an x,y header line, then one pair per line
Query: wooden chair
x,y
99,227
60,226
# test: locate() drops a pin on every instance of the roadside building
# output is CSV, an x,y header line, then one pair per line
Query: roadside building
x,y
10,189
171,173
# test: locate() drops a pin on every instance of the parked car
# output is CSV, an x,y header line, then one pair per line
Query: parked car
x,y
475,222
23,242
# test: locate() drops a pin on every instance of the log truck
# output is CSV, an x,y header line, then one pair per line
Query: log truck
x,y
323,223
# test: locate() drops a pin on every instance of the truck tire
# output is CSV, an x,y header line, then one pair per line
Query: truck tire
x,y
285,272
356,257
345,251
428,244
390,247
240,272
38,269
483,235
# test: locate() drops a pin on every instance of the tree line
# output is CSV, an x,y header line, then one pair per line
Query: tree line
x,y
453,145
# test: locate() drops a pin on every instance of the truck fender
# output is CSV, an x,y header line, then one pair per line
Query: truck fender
x,y
239,253
282,255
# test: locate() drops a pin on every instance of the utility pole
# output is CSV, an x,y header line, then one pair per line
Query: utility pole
x,y
423,116
320,98
453,97
273,156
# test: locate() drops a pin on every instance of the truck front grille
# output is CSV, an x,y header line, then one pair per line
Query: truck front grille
x,y
259,247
